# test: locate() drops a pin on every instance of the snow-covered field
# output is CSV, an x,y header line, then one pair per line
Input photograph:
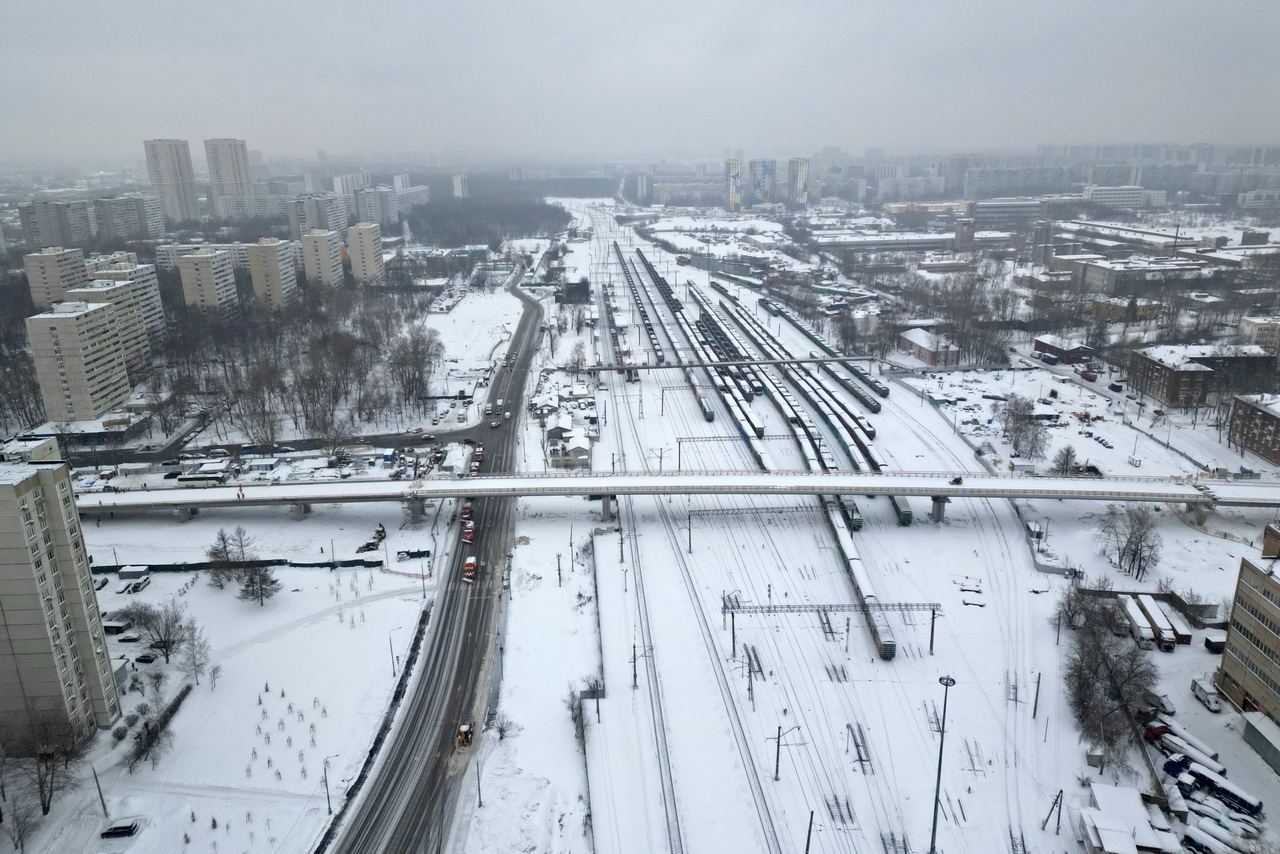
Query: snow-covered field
x,y
304,677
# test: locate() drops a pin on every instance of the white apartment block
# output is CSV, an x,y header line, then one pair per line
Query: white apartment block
x,y
127,299
79,361
230,185
172,178
364,245
168,255
460,189
1115,197
145,292
346,185
378,204
271,267
102,262
46,223
52,272
322,257
412,196
53,656
318,210
209,281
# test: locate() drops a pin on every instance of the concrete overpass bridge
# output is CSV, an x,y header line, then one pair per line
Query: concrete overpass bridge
x,y
938,486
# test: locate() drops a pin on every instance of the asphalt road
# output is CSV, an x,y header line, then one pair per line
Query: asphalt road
x,y
407,802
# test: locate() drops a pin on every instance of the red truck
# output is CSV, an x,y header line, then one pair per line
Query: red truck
x,y
469,570
468,531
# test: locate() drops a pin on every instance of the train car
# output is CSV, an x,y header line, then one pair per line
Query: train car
x,y
902,509
849,509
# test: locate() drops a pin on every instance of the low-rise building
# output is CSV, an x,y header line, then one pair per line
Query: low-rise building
x,y
1185,375
1249,675
1263,331
1122,310
933,350
1139,275
1067,351
1254,425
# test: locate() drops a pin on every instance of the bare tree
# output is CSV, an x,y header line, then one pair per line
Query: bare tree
x,y
1131,538
51,748
214,673
1064,462
165,626
578,358
195,652
19,820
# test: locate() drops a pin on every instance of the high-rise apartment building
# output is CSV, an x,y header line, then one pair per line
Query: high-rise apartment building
x,y
401,181
144,292
322,257
346,185
173,179
57,223
378,204
53,271
79,361
364,245
798,182
1250,670
128,217
733,184
762,179
126,299
275,280
230,184
209,281
327,211
53,657
460,188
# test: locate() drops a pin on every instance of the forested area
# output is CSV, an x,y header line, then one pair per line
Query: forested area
x,y
463,222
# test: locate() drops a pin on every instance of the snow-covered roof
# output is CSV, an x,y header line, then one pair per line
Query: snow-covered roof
x,y
1269,402
1121,819
927,340
1181,355
1055,341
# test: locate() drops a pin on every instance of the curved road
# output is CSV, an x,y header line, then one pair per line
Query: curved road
x,y
406,805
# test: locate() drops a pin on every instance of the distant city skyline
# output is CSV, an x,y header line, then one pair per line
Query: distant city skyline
x,y
777,82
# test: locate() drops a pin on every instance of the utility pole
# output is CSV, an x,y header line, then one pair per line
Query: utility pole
x,y
479,795
558,576
933,619
946,682
633,666
809,836
103,801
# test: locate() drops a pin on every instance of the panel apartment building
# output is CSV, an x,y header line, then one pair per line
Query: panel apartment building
x,y
271,268
53,657
53,271
79,361
209,281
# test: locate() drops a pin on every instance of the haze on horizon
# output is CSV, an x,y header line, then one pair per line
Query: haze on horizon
x,y
600,78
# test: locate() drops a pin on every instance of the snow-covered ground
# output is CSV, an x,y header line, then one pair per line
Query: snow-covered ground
x,y
309,675
691,750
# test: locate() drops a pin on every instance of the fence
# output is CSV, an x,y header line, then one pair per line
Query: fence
x,y
246,564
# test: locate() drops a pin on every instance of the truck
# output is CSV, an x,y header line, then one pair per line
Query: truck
x,y
488,409
1207,693
1049,358
466,509
1139,628
468,531
469,570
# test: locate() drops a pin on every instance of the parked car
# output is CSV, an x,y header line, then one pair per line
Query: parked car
x,y
101,583
1207,693
127,827
147,658
130,638
172,475
495,424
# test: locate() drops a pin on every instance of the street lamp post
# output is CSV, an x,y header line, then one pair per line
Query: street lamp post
x,y
392,650
946,682
328,803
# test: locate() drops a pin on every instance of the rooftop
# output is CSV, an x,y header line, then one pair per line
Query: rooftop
x,y
70,309
14,473
1181,355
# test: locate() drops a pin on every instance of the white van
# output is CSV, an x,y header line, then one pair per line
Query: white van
x,y
1207,693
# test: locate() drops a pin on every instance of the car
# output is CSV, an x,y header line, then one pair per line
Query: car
x,y
475,466
147,658
495,424
129,638
285,449
428,437
172,475
127,827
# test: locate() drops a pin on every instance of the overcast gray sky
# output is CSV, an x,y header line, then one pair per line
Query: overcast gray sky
x,y
645,79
